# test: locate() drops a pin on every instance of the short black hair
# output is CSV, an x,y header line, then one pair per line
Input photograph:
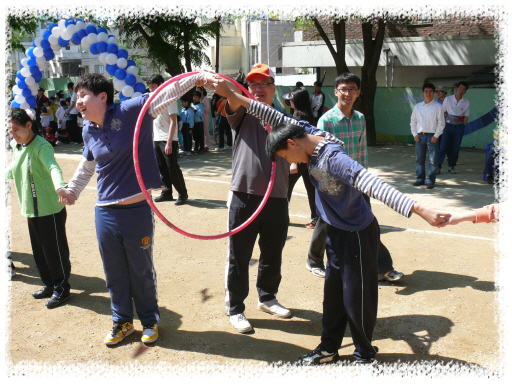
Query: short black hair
x,y
156,79
428,85
299,84
185,98
347,77
277,138
197,93
21,117
68,99
63,102
52,98
464,84
318,83
40,89
70,85
96,83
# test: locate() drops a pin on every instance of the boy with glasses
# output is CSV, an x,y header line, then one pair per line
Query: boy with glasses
x,y
349,126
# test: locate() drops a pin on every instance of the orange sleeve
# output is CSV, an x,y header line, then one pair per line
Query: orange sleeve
x,y
487,214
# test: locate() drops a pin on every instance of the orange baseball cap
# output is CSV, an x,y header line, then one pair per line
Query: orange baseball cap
x,y
260,69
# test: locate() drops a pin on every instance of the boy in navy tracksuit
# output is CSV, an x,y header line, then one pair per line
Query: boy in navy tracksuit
x,y
198,131
351,287
187,118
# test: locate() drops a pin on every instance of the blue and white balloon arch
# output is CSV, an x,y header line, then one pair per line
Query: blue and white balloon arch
x,y
75,32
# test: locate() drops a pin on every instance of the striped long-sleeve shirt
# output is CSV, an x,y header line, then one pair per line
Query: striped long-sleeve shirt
x,y
339,180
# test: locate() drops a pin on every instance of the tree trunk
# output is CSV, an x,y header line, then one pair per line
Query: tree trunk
x,y
365,103
338,55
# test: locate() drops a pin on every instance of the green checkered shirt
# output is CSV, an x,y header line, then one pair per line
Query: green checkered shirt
x,y
352,131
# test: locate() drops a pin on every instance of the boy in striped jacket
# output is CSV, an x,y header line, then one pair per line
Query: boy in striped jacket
x,y
351,287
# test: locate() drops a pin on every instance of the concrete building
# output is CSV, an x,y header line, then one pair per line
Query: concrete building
x,y
440,51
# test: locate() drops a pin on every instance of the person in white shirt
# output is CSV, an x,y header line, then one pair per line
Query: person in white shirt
x,y
427,124
456,109
317,102
61,118
165,139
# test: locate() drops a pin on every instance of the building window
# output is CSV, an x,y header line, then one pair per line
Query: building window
x,y
254,55
279,70
71,68
98,69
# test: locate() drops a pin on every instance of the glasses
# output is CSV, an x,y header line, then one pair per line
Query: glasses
x,y
352,91
261,85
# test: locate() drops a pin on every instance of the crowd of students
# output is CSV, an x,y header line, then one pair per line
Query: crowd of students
x,y
330,161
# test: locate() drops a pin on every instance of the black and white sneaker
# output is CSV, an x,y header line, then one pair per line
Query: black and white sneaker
x,y
318,356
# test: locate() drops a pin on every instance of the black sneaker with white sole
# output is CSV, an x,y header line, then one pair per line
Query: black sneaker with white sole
x,y
317,357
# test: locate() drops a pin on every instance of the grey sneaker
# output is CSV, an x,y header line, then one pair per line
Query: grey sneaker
x,y
240,323
391,276
274,308
318,356
318,272
451,170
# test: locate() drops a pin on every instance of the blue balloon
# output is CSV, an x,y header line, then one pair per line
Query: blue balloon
x,y
30,52
94,49
69,21
51,26
120,73
22,84
102,46
48,54
34,70
122,53
102,29
75,39
14,104
121,96
112,69
139,87
46,34
45,44
112,48
30,98
63,43
90,29
19,75
32,103
131,63
80,19
31,62
130,79
38,77
109,36
82,33
26,93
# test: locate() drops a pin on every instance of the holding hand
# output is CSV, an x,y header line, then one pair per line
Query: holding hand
x,y
457,217
431,216
66,197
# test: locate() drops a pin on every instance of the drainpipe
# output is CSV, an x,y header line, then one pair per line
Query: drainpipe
x,y
268,45
393,70
386,51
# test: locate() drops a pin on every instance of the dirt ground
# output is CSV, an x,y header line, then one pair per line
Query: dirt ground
x,y
443,311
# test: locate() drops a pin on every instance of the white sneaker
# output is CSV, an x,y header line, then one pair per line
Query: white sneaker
x,y
318,272
149,334
58,142
220,149
273,307
229,147
240,323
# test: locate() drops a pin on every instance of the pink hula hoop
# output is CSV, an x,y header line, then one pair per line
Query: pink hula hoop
x,y
143,187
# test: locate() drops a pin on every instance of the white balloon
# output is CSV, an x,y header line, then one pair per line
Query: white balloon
x,y
133,70
92,38
113,40
138,79
30,80
24,105
24,62
25,72
111,58
80,25
65,35
37,41
16,90
42,66
33,92
40,60
53,40
72,29
103,57
85,44
122,62
56,47
56,32
119,85
136,94
19,98
38,52
119,47
102,36
128,90
62,23
33,86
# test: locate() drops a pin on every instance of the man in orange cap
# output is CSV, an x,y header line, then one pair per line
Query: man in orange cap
x,y
251,175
